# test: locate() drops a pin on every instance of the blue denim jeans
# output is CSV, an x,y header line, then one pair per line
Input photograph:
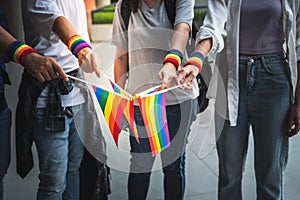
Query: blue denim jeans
x,y
5,125
264,103
179,119
60,155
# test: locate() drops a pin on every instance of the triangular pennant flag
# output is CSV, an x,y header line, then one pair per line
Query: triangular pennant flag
x,y
129,110
153,110
129,114
112,106
118,89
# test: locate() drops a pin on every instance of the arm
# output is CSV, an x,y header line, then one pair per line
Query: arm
x,y
187,74
120,66
65,30
168,72
209,39
294,118
41,67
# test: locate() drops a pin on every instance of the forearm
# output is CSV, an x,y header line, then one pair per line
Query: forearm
x,y
297,91
64,29
120,67
5,40
204,46
180,36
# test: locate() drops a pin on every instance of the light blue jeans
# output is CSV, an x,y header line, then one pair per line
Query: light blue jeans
x,y
264,103
5,125
59,156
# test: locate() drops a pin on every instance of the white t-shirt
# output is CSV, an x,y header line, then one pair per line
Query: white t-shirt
x,y
147,40
38,19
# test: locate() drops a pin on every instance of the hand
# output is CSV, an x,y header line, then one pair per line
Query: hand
x,y
186,76
294,120
87,61
167,75
43,68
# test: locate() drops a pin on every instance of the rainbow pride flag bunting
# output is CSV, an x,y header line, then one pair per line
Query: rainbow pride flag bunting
x,y
153,110
118,89
129,110
113,106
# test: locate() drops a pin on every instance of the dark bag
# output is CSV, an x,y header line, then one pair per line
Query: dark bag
x,y
171,12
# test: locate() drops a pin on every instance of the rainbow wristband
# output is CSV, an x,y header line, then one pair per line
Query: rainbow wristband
x,y
76,43
173,56
18,50
196,58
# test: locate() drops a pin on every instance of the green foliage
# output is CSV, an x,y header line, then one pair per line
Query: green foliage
x,y
104,15
199,14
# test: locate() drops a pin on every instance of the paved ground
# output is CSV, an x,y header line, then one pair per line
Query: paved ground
x,y
201,171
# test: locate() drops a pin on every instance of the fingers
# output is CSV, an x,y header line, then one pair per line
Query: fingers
x,y
294,129
186,76
39,77
95,66
294,121
168,75
57,68
87,61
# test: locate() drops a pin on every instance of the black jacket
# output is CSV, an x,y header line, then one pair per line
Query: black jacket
x,y
29,92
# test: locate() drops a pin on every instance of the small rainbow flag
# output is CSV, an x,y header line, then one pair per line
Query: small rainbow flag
x,y
129,109
113,106
118,89
153,110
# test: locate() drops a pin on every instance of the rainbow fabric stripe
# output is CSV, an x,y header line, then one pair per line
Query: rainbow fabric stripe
x,y
118,89
153,110
129,115
196,58
76,43
18,50
173,56
129,109
113,107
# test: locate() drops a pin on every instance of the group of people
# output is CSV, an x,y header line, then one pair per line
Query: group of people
x,y
257,47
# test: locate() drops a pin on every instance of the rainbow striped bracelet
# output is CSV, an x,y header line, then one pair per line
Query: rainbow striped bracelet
x,y
76,43
18,50
196,58
173,56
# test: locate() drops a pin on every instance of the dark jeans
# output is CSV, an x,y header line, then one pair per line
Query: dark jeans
x,y
5,125
179,119
264,103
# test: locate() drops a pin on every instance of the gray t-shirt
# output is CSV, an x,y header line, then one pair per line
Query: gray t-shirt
x,y
261,27
147,40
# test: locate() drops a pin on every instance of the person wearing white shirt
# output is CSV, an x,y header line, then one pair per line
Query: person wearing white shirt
x,y
58,29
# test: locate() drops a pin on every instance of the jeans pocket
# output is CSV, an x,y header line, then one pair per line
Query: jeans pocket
x,y
278,67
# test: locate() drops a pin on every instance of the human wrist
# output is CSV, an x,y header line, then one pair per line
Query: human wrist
x,y
170,66
174,57
17,51
76,43
196,59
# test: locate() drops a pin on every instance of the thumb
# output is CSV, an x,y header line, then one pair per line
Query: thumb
x,y
160,75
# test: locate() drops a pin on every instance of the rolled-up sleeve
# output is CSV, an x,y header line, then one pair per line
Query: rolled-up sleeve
x,y
119,31
43,13
214,25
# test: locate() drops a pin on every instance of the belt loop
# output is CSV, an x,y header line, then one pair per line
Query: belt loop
x,y
263,62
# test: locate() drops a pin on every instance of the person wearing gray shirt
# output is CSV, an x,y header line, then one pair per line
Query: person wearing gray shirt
x,y
140,53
